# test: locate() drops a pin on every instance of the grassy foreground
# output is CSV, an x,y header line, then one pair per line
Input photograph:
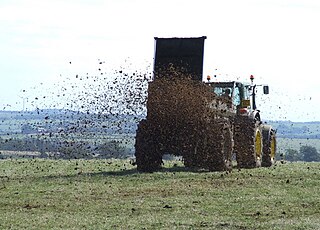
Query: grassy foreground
x,y
105,194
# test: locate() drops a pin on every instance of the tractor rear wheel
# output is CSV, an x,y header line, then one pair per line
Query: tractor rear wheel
x,y
212,147
219,147
248,142
228,145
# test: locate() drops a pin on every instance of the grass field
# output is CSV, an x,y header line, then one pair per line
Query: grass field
x,y
111,194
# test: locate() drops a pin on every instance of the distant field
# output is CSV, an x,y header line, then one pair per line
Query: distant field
x,y
18,154
12,126
286,143
127,141
111,194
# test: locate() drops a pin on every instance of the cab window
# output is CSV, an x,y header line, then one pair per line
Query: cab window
x,y
236,96
223,91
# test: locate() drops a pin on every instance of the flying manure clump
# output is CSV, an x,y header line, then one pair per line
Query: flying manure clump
x,y
87,116
183,119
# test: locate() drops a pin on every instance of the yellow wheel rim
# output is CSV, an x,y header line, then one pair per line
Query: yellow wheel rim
x,y
258,144
273,148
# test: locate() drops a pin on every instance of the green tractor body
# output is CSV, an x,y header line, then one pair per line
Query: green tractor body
x,y
207,123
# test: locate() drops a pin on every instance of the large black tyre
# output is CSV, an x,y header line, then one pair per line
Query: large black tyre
x,y
269,146
198,149
190,159
221,147
212,147
148,156
248,142
228,145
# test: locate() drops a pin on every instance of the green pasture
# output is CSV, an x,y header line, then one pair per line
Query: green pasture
x,y
111,194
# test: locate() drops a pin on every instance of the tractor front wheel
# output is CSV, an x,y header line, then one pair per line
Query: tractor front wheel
x,y
269,146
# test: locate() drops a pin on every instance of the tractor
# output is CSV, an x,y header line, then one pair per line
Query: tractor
x,y
209,124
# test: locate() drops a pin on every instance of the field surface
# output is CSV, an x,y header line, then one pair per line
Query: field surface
x,y
111,194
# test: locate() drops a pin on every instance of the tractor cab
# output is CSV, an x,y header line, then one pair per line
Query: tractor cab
x,y
237,92
242,96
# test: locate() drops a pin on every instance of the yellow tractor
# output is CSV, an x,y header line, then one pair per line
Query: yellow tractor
x,y
207,123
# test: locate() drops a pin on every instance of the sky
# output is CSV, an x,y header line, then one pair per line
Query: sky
x,y
277,41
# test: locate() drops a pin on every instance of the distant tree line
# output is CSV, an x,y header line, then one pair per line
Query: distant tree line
x,y
66,149
283,129
300,130
306,153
